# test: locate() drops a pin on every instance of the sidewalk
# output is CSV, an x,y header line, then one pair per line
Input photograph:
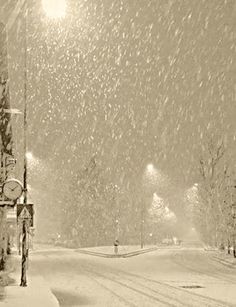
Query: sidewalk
x,y
36,294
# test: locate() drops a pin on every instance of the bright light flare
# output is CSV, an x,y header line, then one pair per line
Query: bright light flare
x,y
54,8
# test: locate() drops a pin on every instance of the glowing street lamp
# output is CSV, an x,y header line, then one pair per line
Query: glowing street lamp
x,y
32,161
149,179
54,8
29,156
150,168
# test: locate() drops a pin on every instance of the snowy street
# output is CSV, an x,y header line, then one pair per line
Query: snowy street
x,y
117,153
167,277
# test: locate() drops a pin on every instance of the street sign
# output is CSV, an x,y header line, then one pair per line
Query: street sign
x,y
24,215
25,212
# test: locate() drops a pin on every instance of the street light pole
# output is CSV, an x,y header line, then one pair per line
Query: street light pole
x,y
142,225
147,184
60,10
234,217
24,223
234,224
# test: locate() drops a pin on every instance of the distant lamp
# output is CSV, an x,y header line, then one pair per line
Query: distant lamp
x,y
29,155
150,168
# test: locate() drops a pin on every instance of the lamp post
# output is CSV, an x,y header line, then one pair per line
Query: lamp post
x,y
24,222
54,9
149,178
142,226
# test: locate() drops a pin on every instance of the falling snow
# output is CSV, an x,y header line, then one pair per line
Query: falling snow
x,y
129,83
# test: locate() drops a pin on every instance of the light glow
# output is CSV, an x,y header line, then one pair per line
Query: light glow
x,y
150,168
29,155
54,8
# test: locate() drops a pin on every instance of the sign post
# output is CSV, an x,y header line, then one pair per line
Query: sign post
x,y
25,218
23,282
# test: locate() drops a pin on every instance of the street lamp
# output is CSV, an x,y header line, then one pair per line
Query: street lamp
x,y
54,8
150,168
23,282
29,155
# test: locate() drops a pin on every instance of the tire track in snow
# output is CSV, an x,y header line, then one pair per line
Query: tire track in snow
x,y
183,263
128,298
189,299
67,262
166,295
133,288
119,297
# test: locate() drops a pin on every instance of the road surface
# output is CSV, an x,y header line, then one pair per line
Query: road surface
x,y
180,277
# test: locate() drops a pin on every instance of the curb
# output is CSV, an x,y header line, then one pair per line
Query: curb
x,y
125,255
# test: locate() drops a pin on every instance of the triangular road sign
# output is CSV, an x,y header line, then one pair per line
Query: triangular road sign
x,y
25,211
25,214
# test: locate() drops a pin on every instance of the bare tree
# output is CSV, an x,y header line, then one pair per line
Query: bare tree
x,y
209,212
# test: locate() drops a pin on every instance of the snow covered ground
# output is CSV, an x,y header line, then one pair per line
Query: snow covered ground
x,y
166,277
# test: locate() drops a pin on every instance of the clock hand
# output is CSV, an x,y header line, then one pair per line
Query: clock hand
x,y
14,188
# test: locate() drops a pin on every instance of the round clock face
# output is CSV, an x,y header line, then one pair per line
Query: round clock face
x,y
12,189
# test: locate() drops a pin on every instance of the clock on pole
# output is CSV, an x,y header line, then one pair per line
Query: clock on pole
x,y
12,189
